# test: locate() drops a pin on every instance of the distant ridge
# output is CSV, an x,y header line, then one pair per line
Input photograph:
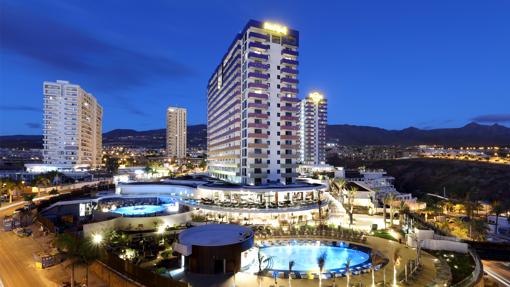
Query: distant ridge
x,y
468,135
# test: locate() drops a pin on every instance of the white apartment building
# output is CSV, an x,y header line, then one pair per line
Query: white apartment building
x,y
253,109
313,119
72,127
176,132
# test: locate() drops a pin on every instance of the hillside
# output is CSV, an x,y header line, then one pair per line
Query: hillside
x,y
482,181
470,134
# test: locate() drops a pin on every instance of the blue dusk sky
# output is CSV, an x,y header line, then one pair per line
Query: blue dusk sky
x,y
391,64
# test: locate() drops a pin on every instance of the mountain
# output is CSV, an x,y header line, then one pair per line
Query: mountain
x,y
152,138
470,134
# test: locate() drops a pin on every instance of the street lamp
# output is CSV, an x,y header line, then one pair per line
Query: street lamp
x,y
97,238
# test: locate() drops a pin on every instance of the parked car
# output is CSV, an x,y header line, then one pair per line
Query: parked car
x,y
23,232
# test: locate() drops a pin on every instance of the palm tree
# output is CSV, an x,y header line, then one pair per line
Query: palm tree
x,y
291,264
391,200
321,260
263,263
385,202
396,262
351,193
348,270
79,251
497,208
402,208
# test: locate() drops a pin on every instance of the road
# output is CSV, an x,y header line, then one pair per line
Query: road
x,y
497,271
17,265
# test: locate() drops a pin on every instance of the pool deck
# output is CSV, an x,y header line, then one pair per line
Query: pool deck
x,y
428,276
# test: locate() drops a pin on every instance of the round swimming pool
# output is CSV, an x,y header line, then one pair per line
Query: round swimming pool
x,y
140,210
305,257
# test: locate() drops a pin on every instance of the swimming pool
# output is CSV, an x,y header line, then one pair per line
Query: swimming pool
x,y
140,210
305,256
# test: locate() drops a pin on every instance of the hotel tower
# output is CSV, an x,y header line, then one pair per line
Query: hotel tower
x,y
253,109
313,129
72,126
176,133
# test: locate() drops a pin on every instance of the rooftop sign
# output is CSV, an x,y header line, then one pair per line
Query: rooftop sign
x,y
277,28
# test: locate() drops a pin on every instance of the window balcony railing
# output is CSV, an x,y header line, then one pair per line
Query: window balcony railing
x,y
258,96
258,65
289,71
289,62
290,52
259,36
258,85
289,90
258,45
289,80
258,75
252,55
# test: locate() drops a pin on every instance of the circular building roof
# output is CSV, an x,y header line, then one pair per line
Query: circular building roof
x,y
215,235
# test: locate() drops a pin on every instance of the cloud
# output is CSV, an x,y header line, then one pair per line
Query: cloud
x,y
31,125
492,118
23,108
108,66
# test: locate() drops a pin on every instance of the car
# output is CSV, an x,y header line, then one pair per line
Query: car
x,y
23,232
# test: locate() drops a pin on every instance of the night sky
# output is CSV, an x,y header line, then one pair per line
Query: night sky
x,y
391,64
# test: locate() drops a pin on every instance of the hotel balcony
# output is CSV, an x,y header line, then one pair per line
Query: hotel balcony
x,y
253,55
289,128
289,155
258,175
258,85
258,75
290,109
258,35
289,137
257,155
289,146
290,174
258,126
289,90
289,165
258,145
258,65
258,116
289,62
258,106
257,165
289,80
258,96
289,71
289,118
290,99
258,45
258,136
289,52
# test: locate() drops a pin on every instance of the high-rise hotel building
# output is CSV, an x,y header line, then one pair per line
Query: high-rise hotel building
x,y
253,109
313,129
176,128
72,126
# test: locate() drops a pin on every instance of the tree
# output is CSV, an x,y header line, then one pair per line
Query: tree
x,y
79,251
385,202
111,164
402,208
321,260
291,265
351,193
391,200
348,270
497,208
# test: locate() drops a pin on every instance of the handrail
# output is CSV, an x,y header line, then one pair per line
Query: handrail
x,y
476,275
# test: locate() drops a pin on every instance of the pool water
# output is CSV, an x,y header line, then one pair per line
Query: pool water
x,y
140,210
305,257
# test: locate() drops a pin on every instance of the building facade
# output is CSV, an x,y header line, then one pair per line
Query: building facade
x,y
176,132
72,126
313,119
253,109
